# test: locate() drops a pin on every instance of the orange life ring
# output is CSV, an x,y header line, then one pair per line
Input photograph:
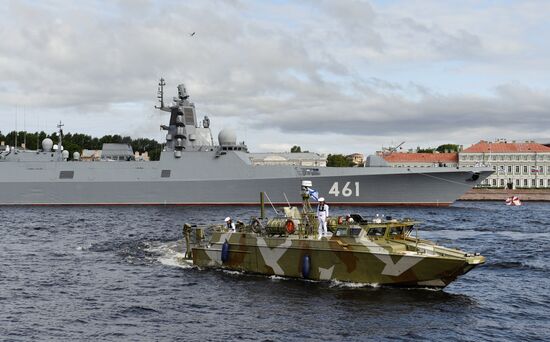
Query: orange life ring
x,y
290,226
340,220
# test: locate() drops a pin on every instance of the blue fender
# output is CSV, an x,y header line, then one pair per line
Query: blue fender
x,y
225,252
306,266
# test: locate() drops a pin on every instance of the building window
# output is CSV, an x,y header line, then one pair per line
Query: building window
x,y
524,169
517,182
533,182
525,183
541,169
517,169
501,182
509,168
541,182
494,182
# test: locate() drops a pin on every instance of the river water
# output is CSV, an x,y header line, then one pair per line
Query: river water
x,y
109,274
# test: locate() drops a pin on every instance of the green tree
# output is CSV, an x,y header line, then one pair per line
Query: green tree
x,y
295,149
425,150
447,148
76,142
338,160
151,146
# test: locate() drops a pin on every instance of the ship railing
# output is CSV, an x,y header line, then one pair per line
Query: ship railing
x,y
308,171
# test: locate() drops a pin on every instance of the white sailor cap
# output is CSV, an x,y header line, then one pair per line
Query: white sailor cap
x,y
227,219
321,199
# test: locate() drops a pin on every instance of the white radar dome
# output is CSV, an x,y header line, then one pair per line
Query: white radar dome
x,y
47,145
227,137
65,154
76,156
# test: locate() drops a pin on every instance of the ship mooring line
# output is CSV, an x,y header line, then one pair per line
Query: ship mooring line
x,y
443,179
272,206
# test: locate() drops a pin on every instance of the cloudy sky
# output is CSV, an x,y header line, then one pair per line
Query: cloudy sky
x,y
331,76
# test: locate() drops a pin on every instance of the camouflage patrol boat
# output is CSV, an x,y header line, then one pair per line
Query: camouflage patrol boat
x,y
378,251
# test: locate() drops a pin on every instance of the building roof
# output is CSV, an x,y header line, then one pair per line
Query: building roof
x,y
398,157
505,147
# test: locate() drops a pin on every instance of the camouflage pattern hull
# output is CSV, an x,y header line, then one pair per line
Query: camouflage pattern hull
x,y
405,262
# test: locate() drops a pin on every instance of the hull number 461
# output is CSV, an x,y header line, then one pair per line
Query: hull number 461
x,y
347,190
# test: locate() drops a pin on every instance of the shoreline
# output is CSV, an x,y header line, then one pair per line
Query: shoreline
x,y
541,195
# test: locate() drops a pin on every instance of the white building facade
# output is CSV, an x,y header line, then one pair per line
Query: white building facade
x,y
516,165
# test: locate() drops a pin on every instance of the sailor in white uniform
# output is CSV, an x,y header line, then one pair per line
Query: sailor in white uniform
x,y
230,224
322,216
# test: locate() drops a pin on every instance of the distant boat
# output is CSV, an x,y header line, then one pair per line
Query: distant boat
x,y
513,200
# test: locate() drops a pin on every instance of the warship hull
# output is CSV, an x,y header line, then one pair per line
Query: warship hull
x,y
226,180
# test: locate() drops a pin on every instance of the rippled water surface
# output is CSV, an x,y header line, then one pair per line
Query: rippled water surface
x,y
109,274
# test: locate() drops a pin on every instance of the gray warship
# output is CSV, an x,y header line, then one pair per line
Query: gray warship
x,y
194,170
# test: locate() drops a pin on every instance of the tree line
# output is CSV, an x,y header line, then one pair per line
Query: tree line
x,y
445,148
76,142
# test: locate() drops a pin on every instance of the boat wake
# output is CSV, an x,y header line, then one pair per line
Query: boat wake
x,y
170,254
348,285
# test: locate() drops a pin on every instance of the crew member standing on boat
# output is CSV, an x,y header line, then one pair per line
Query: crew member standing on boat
x,y
322,216
230,224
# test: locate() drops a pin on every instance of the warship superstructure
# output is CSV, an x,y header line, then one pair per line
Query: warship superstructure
x,y
194,170
379,250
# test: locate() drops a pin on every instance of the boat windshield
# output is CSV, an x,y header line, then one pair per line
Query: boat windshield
x,y
355,231
401,231
378,231
342,232
351,231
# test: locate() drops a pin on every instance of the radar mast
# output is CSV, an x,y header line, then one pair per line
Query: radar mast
x,y
160,96
60,144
